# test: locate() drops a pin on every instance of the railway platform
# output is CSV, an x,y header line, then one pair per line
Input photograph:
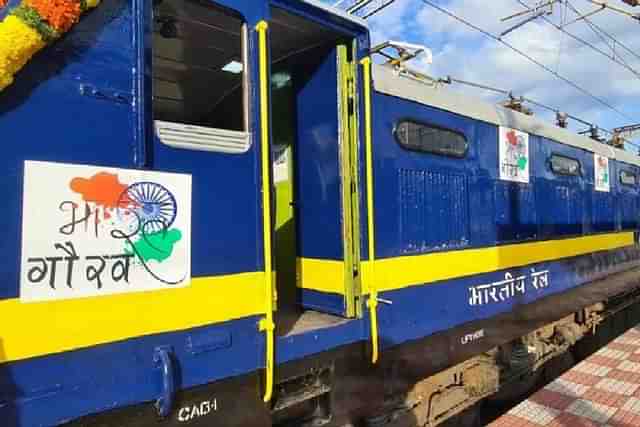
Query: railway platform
x,y
602,390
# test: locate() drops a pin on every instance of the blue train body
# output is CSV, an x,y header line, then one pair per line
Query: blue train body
x,y
457,245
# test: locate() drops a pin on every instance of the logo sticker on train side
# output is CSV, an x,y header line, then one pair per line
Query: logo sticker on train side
x,y
510,287
513,153
602,177
93,231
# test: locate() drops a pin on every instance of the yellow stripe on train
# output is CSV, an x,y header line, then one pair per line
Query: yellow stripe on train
x,y
401,272
57,326
36,329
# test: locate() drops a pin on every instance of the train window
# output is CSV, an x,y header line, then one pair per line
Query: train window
x,y
628,178
199,76
427,138
563,165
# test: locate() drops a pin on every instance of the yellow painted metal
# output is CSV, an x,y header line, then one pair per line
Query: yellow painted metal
x,y
56,326
372,302
266,324
355,177
402,272
349,174
323,275
414,270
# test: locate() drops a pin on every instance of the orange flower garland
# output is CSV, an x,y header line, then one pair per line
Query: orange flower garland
x,y
3,3
60,14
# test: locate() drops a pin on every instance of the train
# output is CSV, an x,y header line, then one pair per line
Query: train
x,y
225,212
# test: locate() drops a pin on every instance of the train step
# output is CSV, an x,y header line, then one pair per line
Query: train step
x,y
304,400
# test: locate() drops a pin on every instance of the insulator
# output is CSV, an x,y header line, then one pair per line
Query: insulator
x,y
562,119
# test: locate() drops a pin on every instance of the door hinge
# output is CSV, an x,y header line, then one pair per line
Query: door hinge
x,y
105,94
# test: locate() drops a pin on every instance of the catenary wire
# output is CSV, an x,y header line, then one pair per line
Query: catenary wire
x,y
586,43
529,58
486,87
597,28
563,19
597,31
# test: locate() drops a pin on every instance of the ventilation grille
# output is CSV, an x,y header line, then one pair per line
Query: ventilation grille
x,y
191,137
515,212
434,211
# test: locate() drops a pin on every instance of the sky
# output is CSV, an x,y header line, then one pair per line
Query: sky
x,y
466,54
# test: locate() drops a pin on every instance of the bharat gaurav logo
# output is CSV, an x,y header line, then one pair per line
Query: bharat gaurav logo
x,y
514,155
91,231
601,173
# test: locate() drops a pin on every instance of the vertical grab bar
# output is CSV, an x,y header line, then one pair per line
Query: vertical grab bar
x,y
266,324
372,302
162,359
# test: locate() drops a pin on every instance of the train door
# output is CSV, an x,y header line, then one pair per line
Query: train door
x,y
315,170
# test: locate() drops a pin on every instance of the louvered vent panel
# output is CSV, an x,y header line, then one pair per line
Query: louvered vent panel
x,y
202,138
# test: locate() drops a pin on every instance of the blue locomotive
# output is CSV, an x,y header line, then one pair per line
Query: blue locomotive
x,y
223,213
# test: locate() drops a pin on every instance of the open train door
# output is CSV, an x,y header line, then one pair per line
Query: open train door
x,y
315,128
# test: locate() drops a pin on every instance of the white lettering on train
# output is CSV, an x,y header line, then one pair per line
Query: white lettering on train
x,y
188,413
508,288
471,337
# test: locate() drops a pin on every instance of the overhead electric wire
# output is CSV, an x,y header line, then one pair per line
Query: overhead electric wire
x,y
529,58
509,93
563,19
597,28
605,5
586,43
591,25
377,9
357,6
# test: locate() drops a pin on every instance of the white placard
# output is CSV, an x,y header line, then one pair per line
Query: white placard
x,y
92,231
514,155
602,178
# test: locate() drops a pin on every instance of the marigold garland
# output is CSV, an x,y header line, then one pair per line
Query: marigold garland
x,y
60,14
18,43
30,26
32,18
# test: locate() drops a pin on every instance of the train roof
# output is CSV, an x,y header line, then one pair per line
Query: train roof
x,y
389,82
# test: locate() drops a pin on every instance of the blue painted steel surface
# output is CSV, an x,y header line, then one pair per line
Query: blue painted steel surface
x,y
416,193
89,130
628,197
45,117
48,390
226,214
298,346
317,160
567,207
109,52
227,210
419,311
99,54
425,202
323,301
253,11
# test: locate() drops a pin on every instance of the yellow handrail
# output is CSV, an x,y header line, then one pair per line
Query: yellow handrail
x,y
266,324
372,303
